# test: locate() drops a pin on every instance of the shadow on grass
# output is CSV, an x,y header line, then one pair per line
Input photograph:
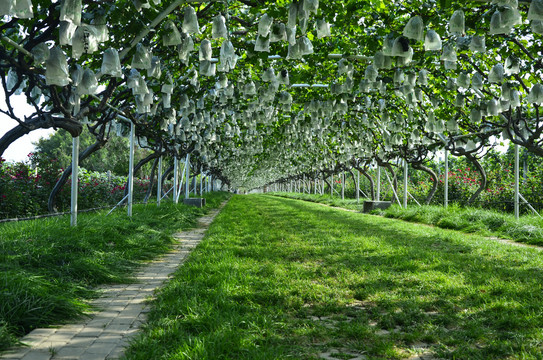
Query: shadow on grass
x,y
482,292
279,278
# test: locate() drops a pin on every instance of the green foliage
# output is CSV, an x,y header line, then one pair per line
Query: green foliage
x,y
289,139
48,273
499,192
278,278
25,190
113,157
6,336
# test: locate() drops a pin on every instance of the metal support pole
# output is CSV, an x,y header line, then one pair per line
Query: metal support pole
x,y
175,178
131,169
187,171
517,204
75,175
392,187
201,179
342,185
159,184
528,204
194,184
446,204
412,197
357,187
332,187
378,197
181,182
405,176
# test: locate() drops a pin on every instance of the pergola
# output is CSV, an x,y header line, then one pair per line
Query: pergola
x,y
253,93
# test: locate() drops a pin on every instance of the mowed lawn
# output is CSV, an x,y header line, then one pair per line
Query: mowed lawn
x,y
284,279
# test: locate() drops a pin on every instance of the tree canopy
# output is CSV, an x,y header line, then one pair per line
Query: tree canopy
x,y
114,156
265,91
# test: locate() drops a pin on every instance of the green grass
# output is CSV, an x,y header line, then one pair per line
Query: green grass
x,y
48,270
528,229
277,278
335,200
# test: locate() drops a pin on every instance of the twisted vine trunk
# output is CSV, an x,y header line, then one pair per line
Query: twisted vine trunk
x,y
326,181
51,203
73,126
356,195
431,193
387,166
151,181
138,166
370,179
164,176
481,171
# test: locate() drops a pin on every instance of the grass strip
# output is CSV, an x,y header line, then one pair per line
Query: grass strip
x,y
277,278
326,199
48,270
528,229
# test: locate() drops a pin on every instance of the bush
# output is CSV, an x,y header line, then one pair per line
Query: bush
x,y
6,337
25,188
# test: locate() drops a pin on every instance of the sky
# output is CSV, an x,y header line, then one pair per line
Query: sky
x,y
19,149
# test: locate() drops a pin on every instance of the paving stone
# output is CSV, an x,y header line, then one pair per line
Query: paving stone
x,y
15,354
119,328
90,356
98,323
33,340
101,347
70,351
52,344
66,333
120,311
91,331
111,337
116,353
123,320
108,315
42,332
37,355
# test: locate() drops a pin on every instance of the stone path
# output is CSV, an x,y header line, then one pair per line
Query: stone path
x,y
106,333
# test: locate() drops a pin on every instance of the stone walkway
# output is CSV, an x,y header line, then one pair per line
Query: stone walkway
x,y
106,333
